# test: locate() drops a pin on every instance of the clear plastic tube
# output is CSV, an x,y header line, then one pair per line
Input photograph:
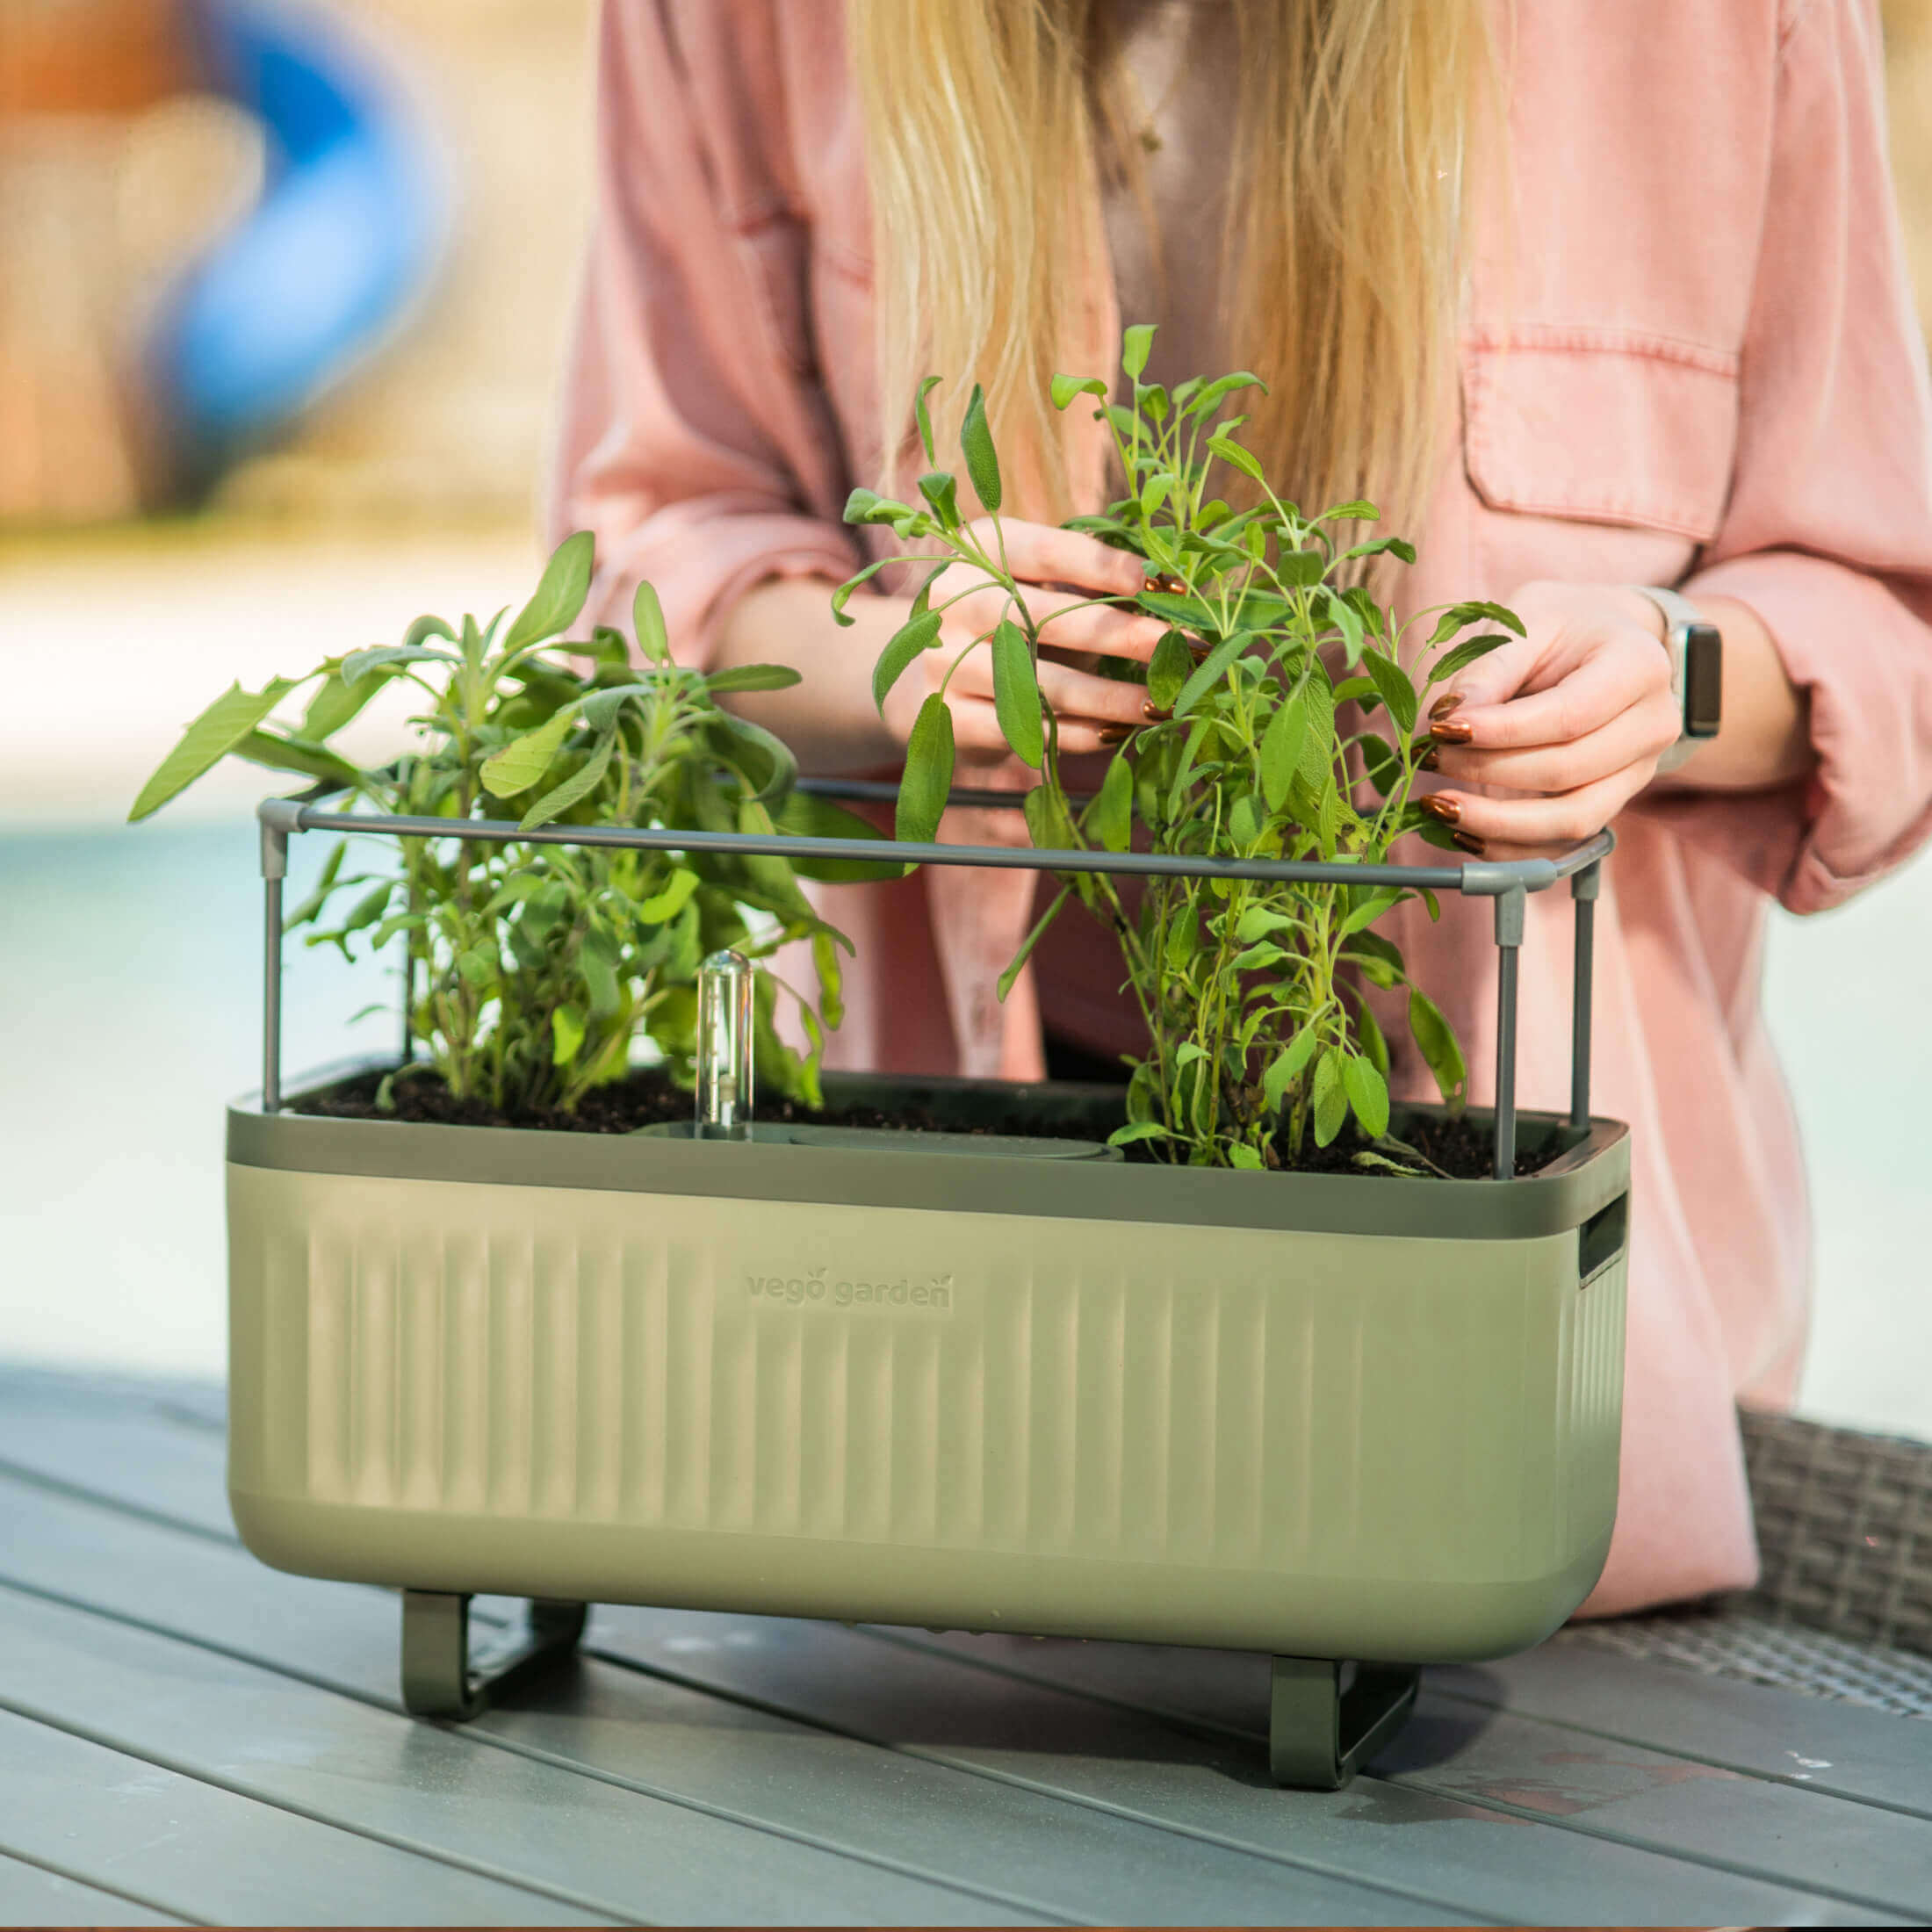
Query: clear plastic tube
x,y
724,1048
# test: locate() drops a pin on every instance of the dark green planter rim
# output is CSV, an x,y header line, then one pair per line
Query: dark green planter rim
x,y
1589,1172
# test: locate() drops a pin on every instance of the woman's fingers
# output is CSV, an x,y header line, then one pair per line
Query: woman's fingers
x,y
1525,825
1639,734
1066,620
1074,697
1040,554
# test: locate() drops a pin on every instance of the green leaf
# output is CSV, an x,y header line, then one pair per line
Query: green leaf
x,y
939,490
580,785
1242,1155
1047,825
1114,805
1440,1050
669,902
1367,1094
1210,671
1355,512
566,1034
1065,388
519,764
1397,546
805,815
1331,1098
1016,693
1280,753
1371,909
975,442
1207,400
1461,615
1231,453
332,705
1018,960
928,773
1380,959
1244,820
597,963
325,884
1392,685
1137,344
1464,655
478,967
1380,760
1301,569
1141,1131
428,627
1170,668
1286,1067
781,766
842,595
925,420
1369,1031
647,618
1258,922
560,593
358,664
917,635
370,907
208,741
752,677
293,755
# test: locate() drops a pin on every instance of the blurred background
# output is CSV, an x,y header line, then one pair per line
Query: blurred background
x,y
283,294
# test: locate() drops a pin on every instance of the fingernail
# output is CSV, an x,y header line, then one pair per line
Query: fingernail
x,y
1197,645
1439,804
1155,715
1116,734
1168,581
1452,731
1431,759
1443,706
1468,842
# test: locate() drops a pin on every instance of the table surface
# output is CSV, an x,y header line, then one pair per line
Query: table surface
x,y
186,1735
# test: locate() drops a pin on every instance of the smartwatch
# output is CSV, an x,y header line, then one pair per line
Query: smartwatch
x,y
1697,671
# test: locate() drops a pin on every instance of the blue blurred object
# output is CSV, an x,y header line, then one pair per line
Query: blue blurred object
x,y
344,235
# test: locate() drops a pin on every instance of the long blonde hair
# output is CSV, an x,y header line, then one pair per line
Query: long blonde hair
x,y
988,128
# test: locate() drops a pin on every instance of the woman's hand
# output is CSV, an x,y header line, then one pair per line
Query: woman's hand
x,y
1059,572
1548,737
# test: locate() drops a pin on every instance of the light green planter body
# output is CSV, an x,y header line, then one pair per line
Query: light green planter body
x,y
1322,1416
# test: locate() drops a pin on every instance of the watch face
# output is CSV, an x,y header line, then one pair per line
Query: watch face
x,y
1703,679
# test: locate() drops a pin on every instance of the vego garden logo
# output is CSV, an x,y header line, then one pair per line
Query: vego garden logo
x,y
817,1288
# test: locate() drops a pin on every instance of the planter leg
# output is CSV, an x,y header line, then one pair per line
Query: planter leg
x,y
1323,1729
440,1678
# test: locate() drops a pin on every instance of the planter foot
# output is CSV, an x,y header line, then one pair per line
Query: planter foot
x,y
441,1679
1324,1725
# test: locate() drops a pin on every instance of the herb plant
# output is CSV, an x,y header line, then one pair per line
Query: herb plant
x,y
1259,1032
532,968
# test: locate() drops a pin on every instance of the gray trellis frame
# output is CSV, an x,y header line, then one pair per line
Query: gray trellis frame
x,y
1509,883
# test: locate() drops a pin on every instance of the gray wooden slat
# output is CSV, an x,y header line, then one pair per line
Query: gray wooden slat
x,y
32,1895
1768,1733
1473,1858
1037,1855
142,1455
584,1841
1580,1784
200,1851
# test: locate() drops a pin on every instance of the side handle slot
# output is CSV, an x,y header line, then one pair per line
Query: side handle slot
x,y
1601,1239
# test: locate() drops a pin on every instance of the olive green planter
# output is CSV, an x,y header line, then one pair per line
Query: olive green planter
x,y
1323,1416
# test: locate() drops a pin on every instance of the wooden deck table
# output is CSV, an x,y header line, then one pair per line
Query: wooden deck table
x,y
188,1736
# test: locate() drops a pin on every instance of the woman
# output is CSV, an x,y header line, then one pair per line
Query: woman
x,y
1600,299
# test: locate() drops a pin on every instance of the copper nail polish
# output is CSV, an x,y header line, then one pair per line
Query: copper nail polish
x,y
1452,731
1468,842
1154,714
1431,759
1439,804
1167,581
1115,734
1443,706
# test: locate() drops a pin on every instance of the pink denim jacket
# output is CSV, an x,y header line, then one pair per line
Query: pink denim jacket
x,y
1698,366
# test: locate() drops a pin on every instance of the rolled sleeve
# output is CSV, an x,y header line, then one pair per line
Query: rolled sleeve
x,y
1827,535
692,445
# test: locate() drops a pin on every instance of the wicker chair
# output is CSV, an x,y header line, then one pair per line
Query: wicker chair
x,y
1844,1605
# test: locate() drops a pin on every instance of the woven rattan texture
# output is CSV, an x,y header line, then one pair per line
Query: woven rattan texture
x,y
1735,1642
1844,1529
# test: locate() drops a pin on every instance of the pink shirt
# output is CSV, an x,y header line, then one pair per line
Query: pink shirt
x,y
1701,367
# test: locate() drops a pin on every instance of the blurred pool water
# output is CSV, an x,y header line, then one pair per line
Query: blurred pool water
x,y
129,974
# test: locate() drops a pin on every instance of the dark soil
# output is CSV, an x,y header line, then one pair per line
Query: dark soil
x,y
1463,1148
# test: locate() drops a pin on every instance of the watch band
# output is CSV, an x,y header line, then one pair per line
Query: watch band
x,y
1694,647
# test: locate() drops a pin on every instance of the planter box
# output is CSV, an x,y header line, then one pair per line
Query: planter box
x,y
1323,1416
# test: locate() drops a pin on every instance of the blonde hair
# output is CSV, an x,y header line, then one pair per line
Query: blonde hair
x,y
988,123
